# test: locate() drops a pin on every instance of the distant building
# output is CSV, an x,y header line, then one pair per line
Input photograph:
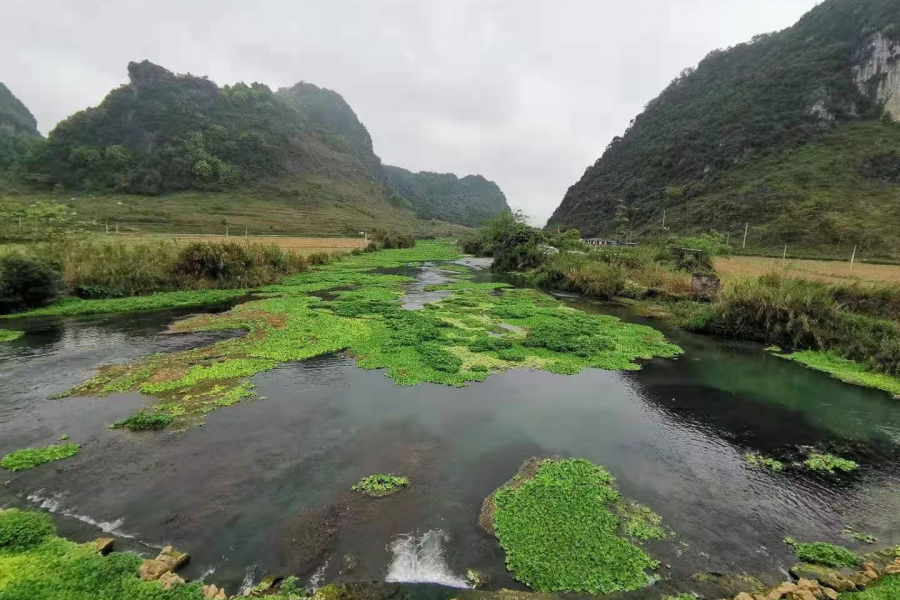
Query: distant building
x,y
606,242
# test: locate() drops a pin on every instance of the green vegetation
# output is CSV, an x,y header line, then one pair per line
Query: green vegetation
x,y
18,133
744,138
35,564
828,463
27,282
866,538
381,485
821,553
846,370
8,335
887,588
448,342
144,421
758,460
76,306
470,200
561,532
32,457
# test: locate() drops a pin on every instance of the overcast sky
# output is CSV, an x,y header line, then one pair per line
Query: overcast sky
x,y
527,93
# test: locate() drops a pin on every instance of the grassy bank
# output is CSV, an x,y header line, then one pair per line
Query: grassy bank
x,y
849,330
478,330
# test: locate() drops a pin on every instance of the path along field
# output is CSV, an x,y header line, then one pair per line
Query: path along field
x,y
817,270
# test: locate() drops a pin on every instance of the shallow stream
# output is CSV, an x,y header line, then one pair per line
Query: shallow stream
x,y
263,487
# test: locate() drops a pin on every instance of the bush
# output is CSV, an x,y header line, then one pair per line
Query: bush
x,y
145,421
582,274
222,261
392,240
27,282
24,529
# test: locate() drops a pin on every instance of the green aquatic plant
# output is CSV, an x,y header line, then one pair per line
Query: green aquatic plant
x,y
33,457
24,529
76,306
822,553
561,531
476,331
144,421
758,460
8,335
381,485
829,463
846,370
866,538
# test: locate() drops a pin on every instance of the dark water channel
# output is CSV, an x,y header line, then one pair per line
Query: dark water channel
x,y
263,486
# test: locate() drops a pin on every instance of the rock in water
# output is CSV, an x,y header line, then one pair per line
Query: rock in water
x,y
151,570
104,545
173,559
170,580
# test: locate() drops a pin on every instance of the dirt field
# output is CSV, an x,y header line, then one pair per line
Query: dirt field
x,y
819,270
300,245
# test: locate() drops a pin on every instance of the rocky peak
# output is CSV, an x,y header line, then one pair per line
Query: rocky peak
x,y
878,75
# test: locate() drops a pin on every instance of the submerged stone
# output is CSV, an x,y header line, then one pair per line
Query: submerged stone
x,y
104,545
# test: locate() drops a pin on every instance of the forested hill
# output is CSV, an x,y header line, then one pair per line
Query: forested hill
x,y
18,129
164,133
722,144
468,201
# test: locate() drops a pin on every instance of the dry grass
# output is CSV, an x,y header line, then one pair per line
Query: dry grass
x,y
815,270
299,245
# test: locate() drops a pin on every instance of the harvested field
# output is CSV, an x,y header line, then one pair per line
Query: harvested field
x,y
817,270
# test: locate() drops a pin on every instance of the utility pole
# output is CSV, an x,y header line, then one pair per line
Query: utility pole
x,y
853,258
107,228
245,233
226,231
784,256
728,239
117,227
746,228
664,220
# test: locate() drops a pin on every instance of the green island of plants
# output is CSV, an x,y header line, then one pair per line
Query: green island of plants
x,y
766,462
379,486
8,335
822,553
563,530
35,564
33,457
846,370
829,463
480,329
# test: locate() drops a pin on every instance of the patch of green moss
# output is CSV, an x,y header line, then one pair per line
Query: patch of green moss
x,y
33,457
8,335
76,306
822,553
758,460
478,330
561,531
846,370
887,588
381,485
829,463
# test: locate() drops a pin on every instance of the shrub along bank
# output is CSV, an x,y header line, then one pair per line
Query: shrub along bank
x,y
849,331
92,269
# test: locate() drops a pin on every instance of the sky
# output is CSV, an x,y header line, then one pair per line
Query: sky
x,y
527,93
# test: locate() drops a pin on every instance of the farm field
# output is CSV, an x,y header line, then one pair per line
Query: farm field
x,y
817,270
300,245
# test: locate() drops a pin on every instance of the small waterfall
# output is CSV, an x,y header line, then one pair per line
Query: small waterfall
x,y
53,504
249,580
421,560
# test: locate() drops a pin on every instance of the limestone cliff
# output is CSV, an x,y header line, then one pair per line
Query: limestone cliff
x,y
879,74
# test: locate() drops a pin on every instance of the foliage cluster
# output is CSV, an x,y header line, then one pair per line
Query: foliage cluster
x,y
449,342
793,86
829,463
381,485
32,457
822,553
561,531
24,529
390,240
27,282
797,314
469,200
8,335
94,269
767,462
144,421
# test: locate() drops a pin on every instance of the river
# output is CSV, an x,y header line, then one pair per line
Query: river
x,y
263,486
